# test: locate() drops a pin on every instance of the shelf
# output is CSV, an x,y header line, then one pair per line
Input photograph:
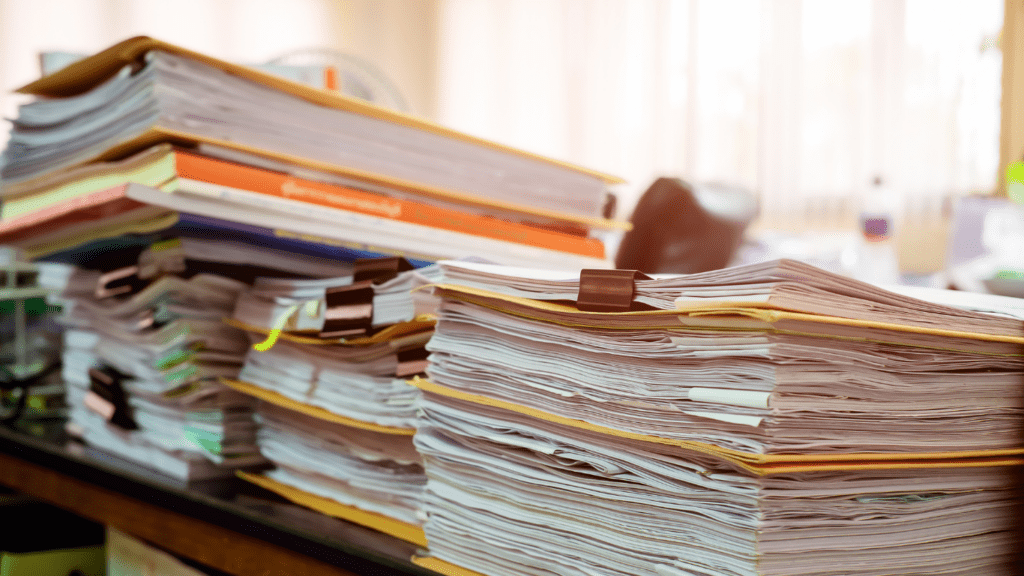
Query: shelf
x,y
22,293
229,525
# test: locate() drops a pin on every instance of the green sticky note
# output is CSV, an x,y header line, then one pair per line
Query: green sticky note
x,y
1015,182
208,441
174,358
1009,275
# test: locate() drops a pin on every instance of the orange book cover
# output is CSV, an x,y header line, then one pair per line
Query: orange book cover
x,y
221,173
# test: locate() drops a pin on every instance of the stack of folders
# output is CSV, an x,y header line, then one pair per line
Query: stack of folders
x,y
330,362
144,349
772,419
134,137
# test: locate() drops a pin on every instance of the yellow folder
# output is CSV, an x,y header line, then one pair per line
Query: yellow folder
x,y
442,567
310,410
379,522
747,317
732,316
761,464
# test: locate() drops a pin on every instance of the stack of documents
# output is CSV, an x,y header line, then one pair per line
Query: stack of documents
x,y
126,139
142,370
330,362
772,419
369,469
299,303
142,88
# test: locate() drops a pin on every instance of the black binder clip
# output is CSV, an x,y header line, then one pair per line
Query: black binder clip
x,y
348,310
379,270
609,290
108,398
411,362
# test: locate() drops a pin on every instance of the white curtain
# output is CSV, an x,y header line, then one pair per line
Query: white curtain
x,y
807,103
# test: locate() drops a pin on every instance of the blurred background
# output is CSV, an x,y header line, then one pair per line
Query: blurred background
x,y
881,139
823,110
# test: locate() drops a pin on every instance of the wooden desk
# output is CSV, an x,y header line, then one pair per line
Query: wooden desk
x,y
227,525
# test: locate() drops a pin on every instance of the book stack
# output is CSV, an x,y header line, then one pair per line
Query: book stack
x,y
330,362
142,369
128,140
770,419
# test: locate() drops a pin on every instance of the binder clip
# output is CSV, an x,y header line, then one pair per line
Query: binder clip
x,y
609,290
379,270
412,362
348,310
108,398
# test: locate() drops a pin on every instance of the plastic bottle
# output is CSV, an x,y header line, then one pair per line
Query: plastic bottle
x,y
876,259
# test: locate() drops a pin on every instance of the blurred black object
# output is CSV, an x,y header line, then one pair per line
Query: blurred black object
x,y
30,526
681,228
14,392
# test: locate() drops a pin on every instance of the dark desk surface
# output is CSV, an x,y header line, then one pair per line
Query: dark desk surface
x,y
229,525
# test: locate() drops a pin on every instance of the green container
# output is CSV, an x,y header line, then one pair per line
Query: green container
x,y
87,561
37,539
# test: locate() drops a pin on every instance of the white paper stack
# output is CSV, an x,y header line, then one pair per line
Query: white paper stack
x,y
513,495
366,469
297,304
718,439
191,95
361,388
120,141
167,347
338,414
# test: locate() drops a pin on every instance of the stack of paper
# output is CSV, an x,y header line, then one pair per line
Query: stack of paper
x,y
373,470
770,419
142,371
112,98
338,415
199,136
357,382
299,303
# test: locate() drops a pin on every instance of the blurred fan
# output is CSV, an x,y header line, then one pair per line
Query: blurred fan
x,y
355,76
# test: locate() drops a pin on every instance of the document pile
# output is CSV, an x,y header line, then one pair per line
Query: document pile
x,y
770,419
330,359
127,138
144,349
272,190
